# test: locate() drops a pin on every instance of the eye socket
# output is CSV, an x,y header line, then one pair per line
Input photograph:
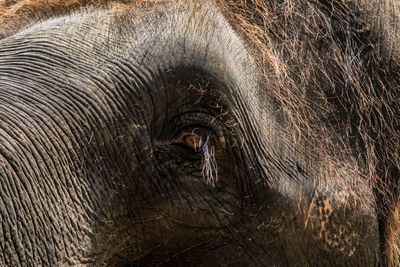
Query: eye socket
x,y
190,140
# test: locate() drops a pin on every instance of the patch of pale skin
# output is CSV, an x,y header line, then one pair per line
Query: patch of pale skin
x,y
334,236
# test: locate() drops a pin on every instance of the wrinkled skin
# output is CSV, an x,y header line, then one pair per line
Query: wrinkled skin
x,y
99,112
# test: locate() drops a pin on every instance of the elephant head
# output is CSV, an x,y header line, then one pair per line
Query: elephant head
x,y
162,134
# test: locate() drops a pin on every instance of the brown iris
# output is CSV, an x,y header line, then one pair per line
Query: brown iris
x,y
190,140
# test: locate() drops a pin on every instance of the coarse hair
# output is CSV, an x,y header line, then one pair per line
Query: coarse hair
x,y
333,69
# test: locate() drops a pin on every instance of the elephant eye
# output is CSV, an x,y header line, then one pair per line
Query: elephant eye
x,y
190,140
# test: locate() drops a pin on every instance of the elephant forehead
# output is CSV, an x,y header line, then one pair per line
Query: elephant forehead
x,y
185,34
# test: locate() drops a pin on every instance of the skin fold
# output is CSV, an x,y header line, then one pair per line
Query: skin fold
x,y
148,135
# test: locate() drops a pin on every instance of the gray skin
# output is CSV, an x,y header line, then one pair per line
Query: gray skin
x,y
93,170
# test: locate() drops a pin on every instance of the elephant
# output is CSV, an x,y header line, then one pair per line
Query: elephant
x,y
199,133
